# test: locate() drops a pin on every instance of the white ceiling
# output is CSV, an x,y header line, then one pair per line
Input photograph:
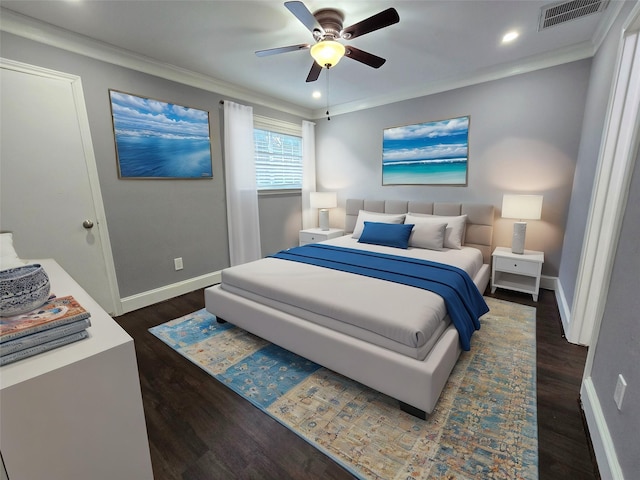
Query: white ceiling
x,y
437,45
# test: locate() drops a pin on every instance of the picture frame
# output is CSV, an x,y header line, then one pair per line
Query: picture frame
x,y
160,140
430,153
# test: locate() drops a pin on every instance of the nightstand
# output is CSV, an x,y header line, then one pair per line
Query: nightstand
x,y
313,235
518,272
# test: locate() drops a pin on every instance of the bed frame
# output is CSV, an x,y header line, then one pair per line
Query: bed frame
x,y
417,384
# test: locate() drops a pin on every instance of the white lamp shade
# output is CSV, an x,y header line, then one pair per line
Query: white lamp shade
x,y
323,200
523,207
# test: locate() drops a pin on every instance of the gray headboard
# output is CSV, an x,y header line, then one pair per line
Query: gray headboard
x,y
479,230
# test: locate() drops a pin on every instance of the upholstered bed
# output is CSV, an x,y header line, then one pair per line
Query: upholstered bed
x,y
395,338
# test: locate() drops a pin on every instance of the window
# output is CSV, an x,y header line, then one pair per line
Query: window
x,y
278,154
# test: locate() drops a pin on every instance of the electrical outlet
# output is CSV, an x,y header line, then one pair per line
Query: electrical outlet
x,y
177,262
618,395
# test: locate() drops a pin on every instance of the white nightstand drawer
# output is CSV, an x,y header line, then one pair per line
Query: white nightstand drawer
x,y
313,235
306,237
522,267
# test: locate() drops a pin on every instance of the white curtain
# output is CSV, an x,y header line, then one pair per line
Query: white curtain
x,y
309,215
240,175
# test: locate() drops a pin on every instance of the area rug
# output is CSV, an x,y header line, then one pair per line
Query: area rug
x,y
484,425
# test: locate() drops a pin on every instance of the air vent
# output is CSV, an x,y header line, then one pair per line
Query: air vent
x,y
557,13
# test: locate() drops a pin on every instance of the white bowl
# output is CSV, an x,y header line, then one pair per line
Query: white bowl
x,y
23,289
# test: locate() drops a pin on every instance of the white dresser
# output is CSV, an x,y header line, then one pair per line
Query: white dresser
x,y
75,412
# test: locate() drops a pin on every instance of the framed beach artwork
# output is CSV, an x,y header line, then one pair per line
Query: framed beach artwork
x,y
431,153
160,140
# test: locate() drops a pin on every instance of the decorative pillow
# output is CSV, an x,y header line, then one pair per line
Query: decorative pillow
x,y
387,234
8,256
454,233
428,235
364,215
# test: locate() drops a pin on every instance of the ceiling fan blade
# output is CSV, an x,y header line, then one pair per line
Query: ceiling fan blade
x,y
314,73
275,51
375,22
302,13
364,57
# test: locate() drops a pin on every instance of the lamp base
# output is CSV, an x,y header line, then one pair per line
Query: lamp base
x,y
324,219
519,233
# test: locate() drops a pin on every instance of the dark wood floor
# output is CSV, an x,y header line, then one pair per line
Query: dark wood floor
x,y
199,429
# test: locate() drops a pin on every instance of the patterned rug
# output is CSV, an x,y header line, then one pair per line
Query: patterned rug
x,y
483,427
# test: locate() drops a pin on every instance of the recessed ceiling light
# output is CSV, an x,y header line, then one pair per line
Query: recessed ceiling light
x,y
510,37
316,94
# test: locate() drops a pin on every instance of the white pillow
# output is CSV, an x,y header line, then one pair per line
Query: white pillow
x,y
8,256
365,216
454,233
427,235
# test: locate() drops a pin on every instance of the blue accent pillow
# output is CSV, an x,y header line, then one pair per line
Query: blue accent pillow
x,y
387,234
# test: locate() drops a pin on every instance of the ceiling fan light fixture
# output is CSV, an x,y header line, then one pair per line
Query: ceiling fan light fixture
x,y
327,53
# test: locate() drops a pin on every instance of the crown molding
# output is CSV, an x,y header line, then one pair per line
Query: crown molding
x,y
613,10
29,28
558,57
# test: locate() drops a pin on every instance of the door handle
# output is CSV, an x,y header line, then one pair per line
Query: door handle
x,y
88,224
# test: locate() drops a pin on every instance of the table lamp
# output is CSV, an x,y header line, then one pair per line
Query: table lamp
x,y
521,207
323,201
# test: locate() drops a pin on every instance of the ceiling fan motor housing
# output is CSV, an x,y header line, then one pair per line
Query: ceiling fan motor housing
x,y
331,21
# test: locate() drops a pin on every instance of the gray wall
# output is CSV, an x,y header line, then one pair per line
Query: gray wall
x,y
618,348
523,138
600,82
151,221
280,221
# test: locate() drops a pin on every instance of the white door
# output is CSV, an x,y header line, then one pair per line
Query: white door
x,y
48,178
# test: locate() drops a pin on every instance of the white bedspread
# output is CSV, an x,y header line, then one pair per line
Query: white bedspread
x,y
402,318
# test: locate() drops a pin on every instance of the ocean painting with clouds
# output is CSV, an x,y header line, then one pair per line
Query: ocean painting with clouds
x,y
432,153
155,139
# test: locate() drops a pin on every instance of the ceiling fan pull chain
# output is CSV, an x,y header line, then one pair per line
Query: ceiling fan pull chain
x,y
328,117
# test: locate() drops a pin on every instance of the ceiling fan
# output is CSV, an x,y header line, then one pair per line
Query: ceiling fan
x,y
326,26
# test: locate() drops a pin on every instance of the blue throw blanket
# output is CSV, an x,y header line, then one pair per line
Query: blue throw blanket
x,y
464,302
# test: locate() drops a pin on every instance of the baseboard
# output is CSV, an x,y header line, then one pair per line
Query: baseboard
x,y
563,307
548,283
553,283
144,299
598,430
